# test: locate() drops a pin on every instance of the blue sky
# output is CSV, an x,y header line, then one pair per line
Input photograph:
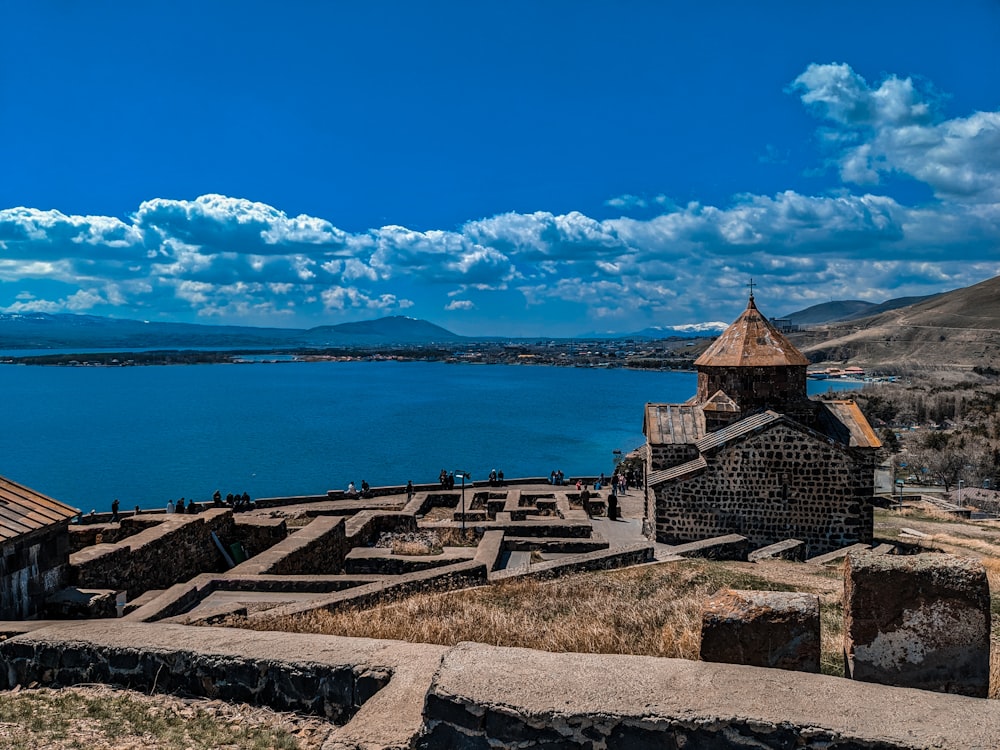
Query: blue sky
x,y
510,168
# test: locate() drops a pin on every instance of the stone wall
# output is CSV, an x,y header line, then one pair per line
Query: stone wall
x,y
32,567
777,484
546,700
669,455
389,694
258,534
176,549
780,388
319,548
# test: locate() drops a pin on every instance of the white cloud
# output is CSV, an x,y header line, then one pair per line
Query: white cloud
x,y
896,127
246,261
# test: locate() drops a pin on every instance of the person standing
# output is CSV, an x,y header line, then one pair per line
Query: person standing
x,y
170,506
409,490
114,510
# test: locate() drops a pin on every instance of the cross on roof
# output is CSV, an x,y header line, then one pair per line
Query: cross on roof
x,y
751,285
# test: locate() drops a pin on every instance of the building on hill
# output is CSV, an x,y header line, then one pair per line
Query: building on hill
x,y
751,454
34,534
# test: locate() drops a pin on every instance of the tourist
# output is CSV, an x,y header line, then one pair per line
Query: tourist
x,y
180,506
552,477
137,510
585,500
217,499
409,490
192,507
500,477
612,507
579,485
560,478
114,510
365,489
351,491
170,506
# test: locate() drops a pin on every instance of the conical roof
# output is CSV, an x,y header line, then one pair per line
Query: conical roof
x,y
751,341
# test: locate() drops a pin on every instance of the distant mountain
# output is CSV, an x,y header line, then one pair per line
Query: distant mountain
x,y
828,312
66,331
958,329
397,329
836,311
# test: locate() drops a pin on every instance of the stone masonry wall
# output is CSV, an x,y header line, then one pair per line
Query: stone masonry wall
x,y
32,567
755,388
175,550
666,456
774,485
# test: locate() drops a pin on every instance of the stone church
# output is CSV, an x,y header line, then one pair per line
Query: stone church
x,y
751,454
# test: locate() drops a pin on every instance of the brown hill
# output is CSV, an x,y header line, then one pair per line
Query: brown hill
x,y
959,329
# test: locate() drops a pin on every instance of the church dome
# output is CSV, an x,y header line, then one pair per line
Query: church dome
x,y
751,341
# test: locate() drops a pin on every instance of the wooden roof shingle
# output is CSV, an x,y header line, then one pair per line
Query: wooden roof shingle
x,y
22,510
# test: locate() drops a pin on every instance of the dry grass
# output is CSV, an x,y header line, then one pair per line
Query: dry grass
x,y
415,547
103,718
650,610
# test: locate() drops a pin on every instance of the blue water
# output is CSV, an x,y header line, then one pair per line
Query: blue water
x,y
147,434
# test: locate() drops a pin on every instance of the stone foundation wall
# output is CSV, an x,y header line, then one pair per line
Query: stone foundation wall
x,y
176,549
777,484
32,567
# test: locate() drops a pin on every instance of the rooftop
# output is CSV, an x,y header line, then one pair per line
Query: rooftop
x,y
751,341
23,510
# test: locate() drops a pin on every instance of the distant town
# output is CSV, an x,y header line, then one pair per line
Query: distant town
x,y
673,354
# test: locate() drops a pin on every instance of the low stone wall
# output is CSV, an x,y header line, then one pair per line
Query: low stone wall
x,y
389,694
364,529
621,557
210,663
176,549
546,700
258,534
86,535
317,548
375,560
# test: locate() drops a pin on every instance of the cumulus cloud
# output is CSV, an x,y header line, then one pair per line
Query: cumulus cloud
x,y
896,127
244,261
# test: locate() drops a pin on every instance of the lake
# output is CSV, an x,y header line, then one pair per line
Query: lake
x,y
85,435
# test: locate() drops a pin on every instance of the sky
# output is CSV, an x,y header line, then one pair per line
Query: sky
x,y
514,168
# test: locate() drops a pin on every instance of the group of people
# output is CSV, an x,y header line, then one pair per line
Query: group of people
x,y
496,478
446,479
234,501
557,478
352,490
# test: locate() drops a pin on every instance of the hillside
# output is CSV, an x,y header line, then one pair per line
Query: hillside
x,y
852,309
64,331
958,329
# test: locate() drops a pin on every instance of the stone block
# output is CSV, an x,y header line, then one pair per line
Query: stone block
x,y
777,629
919,621
788,549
